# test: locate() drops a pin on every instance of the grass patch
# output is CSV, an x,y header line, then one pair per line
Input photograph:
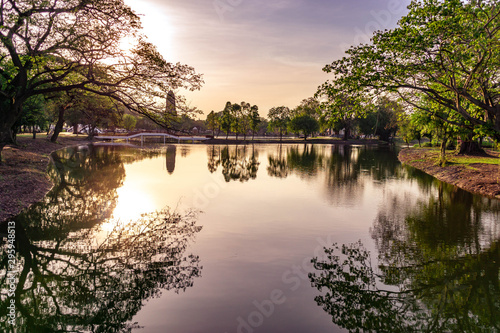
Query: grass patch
x,y
467,160
471,168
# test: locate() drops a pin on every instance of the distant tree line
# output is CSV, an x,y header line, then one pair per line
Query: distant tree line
x,y
310,117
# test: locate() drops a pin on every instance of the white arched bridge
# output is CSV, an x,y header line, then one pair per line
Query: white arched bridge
x,y
142,135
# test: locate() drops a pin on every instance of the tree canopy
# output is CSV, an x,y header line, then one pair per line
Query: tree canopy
x,y
48,46
445,51
279,118
304,123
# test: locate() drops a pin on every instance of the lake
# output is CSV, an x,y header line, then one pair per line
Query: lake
x,y
262,238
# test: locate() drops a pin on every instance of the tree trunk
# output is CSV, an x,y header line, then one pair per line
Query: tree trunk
x,y
470,148
91,131
347,133
59,124
7,120
75,128
34,132
442,156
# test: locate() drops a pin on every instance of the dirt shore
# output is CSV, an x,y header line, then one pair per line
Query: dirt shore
x,y
478,175
23,176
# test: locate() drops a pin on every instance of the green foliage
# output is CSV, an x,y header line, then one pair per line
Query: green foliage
x,y
254,119
342,108
95,111
278,119
236,118
213,122
408,130
226,119
310,106
303,123
129,122
383,121
34,113
445,51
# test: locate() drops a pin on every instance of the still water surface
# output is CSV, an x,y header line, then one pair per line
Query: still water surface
x,y
195,238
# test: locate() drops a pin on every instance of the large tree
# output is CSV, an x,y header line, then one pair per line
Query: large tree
x,y
310,106
303,123
226,119
48,46
383,121
342,107
278,119
445,50
254,119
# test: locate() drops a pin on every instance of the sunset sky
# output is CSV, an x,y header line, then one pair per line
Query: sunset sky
x,y
264,52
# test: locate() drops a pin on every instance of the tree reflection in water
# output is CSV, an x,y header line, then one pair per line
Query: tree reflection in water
x,y
75,276
439,261
238,163
278,165
345,168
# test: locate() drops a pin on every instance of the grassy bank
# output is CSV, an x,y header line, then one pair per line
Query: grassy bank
x,y
476,174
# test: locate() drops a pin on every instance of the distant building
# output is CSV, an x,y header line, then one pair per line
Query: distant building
x,y
171,108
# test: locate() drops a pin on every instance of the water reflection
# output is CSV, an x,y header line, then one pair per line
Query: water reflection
x,y
72,275
239,163
345,169
438,267
170,158
278,164
341,163
88,261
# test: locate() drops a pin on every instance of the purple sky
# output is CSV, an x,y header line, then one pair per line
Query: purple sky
x,y
268,53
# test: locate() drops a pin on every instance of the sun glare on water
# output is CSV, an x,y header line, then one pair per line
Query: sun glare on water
x,y
131,204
